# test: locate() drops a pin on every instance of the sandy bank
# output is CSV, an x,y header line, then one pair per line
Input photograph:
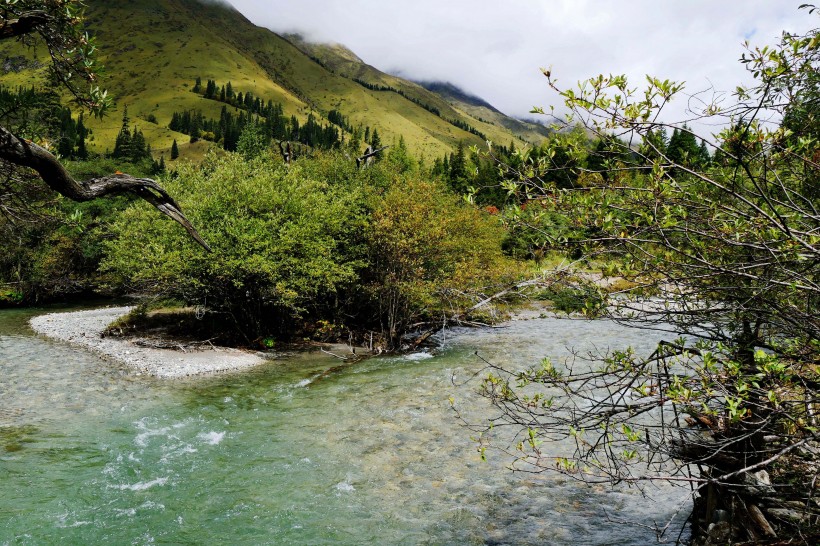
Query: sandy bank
x,y
84,329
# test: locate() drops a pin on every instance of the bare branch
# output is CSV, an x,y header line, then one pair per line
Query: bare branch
x,y
25,153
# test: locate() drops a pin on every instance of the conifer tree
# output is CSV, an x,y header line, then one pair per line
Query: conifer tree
x,y
174,150
683,147
139,149
375,140
122,144
704,158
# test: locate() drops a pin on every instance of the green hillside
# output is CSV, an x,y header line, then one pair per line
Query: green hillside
x,y
153,50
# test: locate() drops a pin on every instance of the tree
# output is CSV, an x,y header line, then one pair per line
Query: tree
x,y
57,24
375,140
723,256
82,132
122,144
252,141
458,169
683,147
174,150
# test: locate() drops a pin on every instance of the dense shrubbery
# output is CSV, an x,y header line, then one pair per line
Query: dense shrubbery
x,y
51,246
316,241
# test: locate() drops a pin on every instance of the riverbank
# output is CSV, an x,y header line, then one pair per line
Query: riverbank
x,y
85,329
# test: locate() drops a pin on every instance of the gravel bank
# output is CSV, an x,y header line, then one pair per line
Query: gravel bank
x,y
84,329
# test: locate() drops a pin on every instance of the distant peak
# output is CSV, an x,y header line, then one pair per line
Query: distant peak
x,y
454,91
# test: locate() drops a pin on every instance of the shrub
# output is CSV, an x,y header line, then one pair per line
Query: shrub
x,y
284,243
314,243
429,254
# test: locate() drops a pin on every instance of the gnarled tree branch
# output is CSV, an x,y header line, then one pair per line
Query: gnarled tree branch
x,y
24,24
24,153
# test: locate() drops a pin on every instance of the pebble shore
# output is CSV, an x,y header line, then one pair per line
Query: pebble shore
x,y
84,329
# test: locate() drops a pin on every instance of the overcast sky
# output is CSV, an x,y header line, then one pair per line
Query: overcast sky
x,y
494,48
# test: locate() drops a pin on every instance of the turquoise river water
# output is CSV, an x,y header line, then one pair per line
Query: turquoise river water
x,y
371,454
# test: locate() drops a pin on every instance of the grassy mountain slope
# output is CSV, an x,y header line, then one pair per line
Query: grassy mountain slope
x,y
477,107
453,103
153,50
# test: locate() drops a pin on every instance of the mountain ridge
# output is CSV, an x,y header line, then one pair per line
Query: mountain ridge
x,y
153,50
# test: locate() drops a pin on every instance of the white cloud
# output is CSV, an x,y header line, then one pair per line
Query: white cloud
x,y
494,49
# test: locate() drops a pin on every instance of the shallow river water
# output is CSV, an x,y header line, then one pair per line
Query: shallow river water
x,y
371,454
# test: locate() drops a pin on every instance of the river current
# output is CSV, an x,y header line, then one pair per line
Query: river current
x,y
368,454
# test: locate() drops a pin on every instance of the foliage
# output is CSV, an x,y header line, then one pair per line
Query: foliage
x,y
584,298
52,247
723,252
315,241
71,50
276,235
430,256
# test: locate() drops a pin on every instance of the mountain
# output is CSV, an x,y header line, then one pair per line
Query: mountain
x,y
153,50
478,108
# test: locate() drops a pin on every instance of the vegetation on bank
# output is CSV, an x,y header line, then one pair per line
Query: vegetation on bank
x,y
714,241
311,245
718,242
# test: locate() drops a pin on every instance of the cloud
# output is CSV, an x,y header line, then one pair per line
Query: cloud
x,y
495,49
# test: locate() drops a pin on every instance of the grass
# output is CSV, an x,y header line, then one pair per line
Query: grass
x,y
153,50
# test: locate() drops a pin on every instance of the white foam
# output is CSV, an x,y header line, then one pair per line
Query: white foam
x,y
304,383
344,487
142,486
125,512
418,356
212,438
141,439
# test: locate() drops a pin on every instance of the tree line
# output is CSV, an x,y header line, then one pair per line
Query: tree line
x,y
270,117
432,109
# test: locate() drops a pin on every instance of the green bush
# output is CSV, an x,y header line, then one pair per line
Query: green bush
x,y
430,254
284,243
317,242
54,249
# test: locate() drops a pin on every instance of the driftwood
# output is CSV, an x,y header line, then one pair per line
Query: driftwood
x,y
25,153
287,155
368,153
760,520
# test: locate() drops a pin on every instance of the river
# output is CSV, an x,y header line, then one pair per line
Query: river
x,y
371,454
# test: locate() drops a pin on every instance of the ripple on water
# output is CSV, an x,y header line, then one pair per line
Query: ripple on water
x,y
211,438
141,486
368,455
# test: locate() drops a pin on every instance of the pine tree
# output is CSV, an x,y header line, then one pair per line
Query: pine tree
x,y
375,140
683,147
174,150
122,144
139,149
198,85
655,144
210,89
458,169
